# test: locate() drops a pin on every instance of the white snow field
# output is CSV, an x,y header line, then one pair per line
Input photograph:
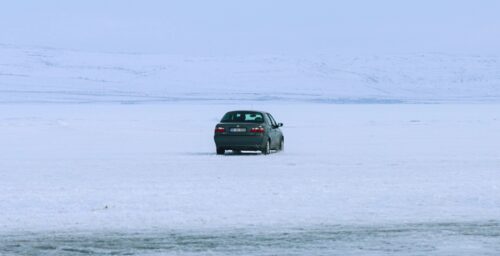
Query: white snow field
x,y
35,74
355,179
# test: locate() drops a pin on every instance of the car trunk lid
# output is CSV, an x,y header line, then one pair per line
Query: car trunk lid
x,y
240,129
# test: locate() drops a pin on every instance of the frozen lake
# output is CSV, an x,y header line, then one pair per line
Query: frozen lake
x,y
354,179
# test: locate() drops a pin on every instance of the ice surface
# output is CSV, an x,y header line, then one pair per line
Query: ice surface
x,y
154,166
473,238
360,179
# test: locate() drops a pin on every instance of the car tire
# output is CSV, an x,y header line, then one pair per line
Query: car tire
x,y
267,148
282,144
220,151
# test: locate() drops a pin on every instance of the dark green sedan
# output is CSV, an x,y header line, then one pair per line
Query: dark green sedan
x,y
248,130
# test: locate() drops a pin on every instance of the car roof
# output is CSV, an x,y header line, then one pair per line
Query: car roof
x,y
243,110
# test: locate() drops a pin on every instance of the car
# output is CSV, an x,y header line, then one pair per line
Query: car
x,y
248,130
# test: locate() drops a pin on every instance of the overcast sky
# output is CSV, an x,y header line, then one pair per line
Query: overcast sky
x,y
237,27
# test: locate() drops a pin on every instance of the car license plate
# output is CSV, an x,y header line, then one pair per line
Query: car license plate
x,y
238,129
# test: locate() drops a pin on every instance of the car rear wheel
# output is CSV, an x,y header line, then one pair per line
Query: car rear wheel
x,y
267,149
220,151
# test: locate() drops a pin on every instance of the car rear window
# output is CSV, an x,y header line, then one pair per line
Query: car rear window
x,y
243,116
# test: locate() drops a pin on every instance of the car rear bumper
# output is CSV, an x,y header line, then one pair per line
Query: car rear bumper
x,y
240,142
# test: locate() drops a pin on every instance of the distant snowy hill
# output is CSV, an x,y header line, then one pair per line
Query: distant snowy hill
x,y
29,74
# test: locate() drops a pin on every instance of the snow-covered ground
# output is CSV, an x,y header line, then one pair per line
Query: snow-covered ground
x,y
35,74
369,179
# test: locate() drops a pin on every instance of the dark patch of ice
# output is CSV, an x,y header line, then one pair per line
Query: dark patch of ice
x,y
453,238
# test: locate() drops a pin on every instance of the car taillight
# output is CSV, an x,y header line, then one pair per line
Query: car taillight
x,y
257,129
219,130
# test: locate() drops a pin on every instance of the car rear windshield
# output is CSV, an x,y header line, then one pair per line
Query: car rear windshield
x,y
243,116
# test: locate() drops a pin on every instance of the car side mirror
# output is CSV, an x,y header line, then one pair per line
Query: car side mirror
x,y
280,124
